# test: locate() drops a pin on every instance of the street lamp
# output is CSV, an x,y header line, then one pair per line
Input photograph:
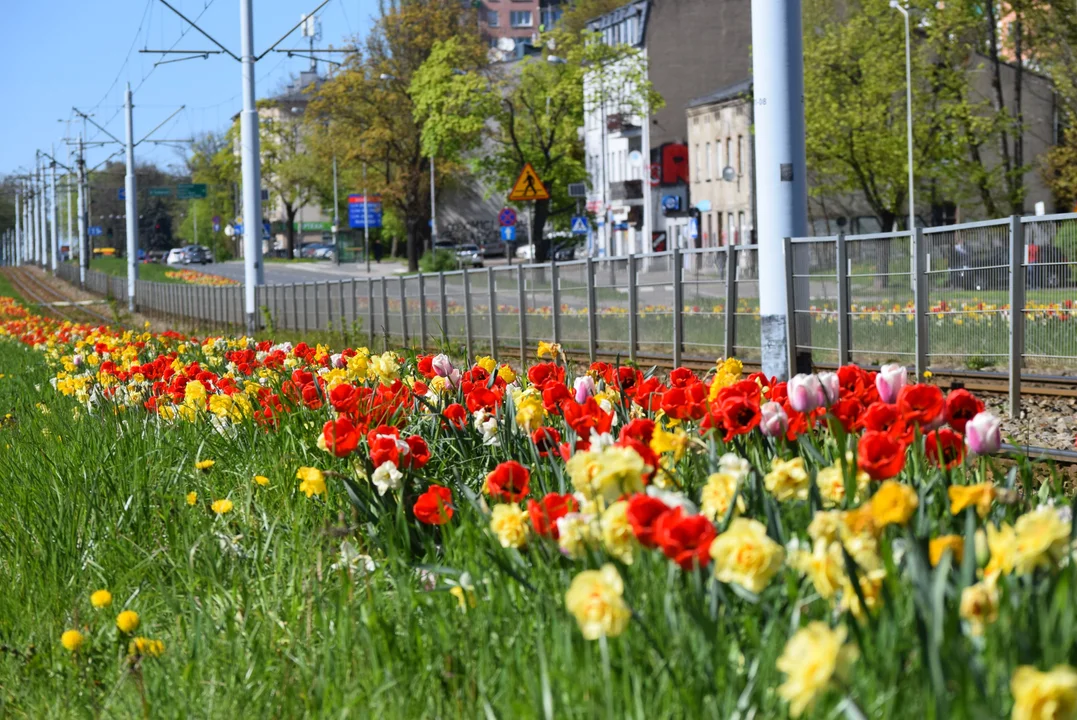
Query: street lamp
x,y
908,111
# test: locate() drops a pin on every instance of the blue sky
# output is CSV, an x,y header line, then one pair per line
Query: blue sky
x,y
63,53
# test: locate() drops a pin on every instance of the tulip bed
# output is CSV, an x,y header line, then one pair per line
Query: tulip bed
x,y
229,528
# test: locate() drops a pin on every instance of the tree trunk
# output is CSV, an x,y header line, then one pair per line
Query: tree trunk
x,y
538,225
415,241
289,231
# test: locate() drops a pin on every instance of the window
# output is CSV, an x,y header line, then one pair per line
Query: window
x,y
709,237
520,18
710,173
740,155
718,166
729,151
740,227
699,164
491,18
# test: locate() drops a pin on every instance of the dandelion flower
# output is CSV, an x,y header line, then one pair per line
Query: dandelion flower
x,y
127,621
72,640
261,480
145,647
192,497
205,464
222,506
101,598
313,481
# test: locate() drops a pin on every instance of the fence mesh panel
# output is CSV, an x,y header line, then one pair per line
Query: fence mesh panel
x,y
882,325
654,288
747,345
572,291
815,292
704,294
1050,313
611,301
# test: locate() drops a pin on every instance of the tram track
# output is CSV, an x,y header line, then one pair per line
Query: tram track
x,y
47,298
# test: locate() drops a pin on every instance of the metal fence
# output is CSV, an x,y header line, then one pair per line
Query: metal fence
x,y
852,298
861,298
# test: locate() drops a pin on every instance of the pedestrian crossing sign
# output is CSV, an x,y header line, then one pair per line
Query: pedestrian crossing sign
x,y
528,186
579,225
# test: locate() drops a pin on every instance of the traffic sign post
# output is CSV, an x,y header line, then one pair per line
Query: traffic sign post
x,y
508,233
580,225
693,228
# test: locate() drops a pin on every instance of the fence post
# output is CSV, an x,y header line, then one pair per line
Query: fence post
x,y
920,301
633,309
592,321
730,299
328,304
522,300
467,313
790,307
443,309
1017,311
555,298
422,313
492,287
844,320
370,309
678,308
404,310
385,312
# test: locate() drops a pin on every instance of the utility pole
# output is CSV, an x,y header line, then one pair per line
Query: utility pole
x,y
18,225
131,202
253,271
39,212
52,208
336,218
433,209
780,164
908,118
366,220
70,208
84,245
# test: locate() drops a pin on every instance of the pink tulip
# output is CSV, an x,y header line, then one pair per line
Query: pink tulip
x,y
831,387
441,365
983,434
805,393
890,380
775,422
585,388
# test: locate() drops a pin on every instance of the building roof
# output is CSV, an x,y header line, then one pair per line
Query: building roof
x,y
744,87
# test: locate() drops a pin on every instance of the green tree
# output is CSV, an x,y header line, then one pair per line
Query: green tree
x,y
209,161
500,118
370,110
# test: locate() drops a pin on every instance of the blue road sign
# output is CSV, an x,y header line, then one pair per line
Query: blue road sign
x,y
693,228
122,193
671,202
95,230
373,211
506,217
216,227
579,225
238,227
265,229
508,233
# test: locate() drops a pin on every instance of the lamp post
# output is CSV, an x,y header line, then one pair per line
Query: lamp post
x,y
908,110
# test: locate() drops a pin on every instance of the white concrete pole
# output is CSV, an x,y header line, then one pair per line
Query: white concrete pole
x,y
130,190
366,223
52,214
18,226
39,230
70,208
778,74
253,271
336,218
84,245
908,113
43,214
433,208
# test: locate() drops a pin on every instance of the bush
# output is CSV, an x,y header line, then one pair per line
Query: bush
x,y
438,261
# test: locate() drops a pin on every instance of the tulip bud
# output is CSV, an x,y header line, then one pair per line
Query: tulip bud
x,y
890,380
831,387
775,422
585,388
805,393
983,434
441,365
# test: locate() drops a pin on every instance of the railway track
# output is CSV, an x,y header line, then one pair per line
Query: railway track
x,y
48,299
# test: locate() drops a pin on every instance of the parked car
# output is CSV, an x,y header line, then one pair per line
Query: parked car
x,y
469,255
176,256
988,268
524,252
495,248
317,251
156,256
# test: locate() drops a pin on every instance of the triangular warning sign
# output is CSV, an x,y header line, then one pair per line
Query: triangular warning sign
x,y
528,186
579,225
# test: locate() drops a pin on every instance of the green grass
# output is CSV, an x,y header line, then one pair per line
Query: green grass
x,y
154,272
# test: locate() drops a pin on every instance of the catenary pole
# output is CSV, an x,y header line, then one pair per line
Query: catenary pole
x,y
780,163
336,203
55,226
70,208
131,202
253,272
84,245
18,226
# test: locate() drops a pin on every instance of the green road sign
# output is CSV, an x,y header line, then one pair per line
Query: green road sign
x,y
160,192
191,191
